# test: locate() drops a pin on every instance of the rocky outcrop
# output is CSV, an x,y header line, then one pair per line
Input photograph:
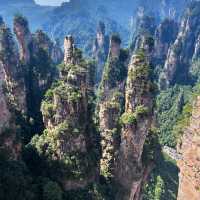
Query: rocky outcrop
x,y
181,52
42,41
22,32
69,139
145,28
100,50
69,50
38,56
114,49
12,93
165,35
111,94
136,122
189,177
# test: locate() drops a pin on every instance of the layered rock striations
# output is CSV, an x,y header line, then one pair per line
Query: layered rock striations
x,y
189,177
68,143
136,123
111,94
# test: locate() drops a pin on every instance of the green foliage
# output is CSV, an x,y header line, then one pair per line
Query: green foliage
x,y
174,107
152,148
141,110
115,71
128,118
131,118
169,105
52,191
163,181
15,181
159,188
195,69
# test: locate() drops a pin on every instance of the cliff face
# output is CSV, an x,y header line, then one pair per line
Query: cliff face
x,y
111,93
100,50
146,26
69,139
181,52
38,55
165,35
13,96
136,122
189,177
24,77
24,37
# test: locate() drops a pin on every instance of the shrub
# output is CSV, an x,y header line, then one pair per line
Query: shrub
x,y
128,118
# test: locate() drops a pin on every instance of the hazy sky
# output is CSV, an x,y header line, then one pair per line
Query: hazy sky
x,y
49,2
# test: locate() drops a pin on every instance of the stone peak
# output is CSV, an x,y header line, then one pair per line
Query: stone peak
x,y
69,49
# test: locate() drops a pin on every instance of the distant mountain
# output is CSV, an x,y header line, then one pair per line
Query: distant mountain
x,y
80,17
36,14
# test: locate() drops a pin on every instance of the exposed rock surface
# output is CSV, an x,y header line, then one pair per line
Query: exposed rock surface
x,y
24,37
136,122
189,182
165,35
181,52
100,50
146,26
69,138
69,50
12,92
111,94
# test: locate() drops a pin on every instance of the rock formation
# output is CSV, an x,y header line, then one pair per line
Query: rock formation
x,y
42,41
12,92
69,50
181,52
22,32
136,122
111,94
100,50
38,54
145,28
189,177
165,35
69,139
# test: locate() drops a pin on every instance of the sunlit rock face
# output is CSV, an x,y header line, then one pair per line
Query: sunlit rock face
x,y
136,124
69,50
69,140
189,177
111,94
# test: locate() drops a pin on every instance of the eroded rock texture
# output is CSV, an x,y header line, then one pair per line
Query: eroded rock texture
x,y
100,50
12,93
69,139
165,35
185,46
111,93
189,182
136,121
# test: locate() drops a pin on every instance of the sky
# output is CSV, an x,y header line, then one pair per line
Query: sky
x,y
49,2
